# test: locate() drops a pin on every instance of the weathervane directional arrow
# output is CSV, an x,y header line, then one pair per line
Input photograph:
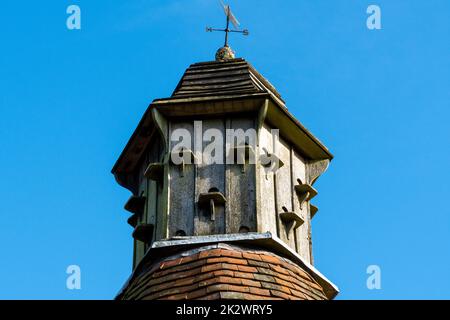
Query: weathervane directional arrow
x,y
230,18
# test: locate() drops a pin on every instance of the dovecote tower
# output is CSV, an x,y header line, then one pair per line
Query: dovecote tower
x,y
222,181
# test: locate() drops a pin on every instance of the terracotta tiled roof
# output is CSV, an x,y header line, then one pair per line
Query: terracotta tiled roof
x,y
223,274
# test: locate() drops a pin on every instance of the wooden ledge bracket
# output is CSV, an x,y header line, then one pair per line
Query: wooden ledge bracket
x,y
133,220
135,204
313,210
143,232
305,192
212,199
155,172
183,153
290,220
270,161
242,155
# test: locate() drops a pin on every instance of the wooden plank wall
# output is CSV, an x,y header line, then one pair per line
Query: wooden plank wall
x,y
246,191
302,233
284,191
267,216
139,246
276,191
240,186
182,191
210,176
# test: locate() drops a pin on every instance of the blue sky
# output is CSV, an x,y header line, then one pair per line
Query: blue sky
x,y
378,99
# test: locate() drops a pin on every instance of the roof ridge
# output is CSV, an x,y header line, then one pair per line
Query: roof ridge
x,y
218,62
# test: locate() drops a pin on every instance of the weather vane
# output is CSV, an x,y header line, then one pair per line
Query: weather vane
x,y
226,52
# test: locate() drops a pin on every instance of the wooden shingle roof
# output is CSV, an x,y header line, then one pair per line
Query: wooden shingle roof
x,y
232,77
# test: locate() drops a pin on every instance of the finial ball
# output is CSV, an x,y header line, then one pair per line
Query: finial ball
x,y
224,54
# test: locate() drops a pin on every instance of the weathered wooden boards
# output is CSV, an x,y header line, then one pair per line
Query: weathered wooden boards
x,y
216,79
254,195
236,184
152,191
240,182
181,190
276,193
267,214
210,178
302,232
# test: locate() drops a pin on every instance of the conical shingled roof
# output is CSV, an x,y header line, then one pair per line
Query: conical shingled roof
x,y
231,77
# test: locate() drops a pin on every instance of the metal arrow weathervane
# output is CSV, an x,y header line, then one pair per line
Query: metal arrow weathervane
x,y
230,18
